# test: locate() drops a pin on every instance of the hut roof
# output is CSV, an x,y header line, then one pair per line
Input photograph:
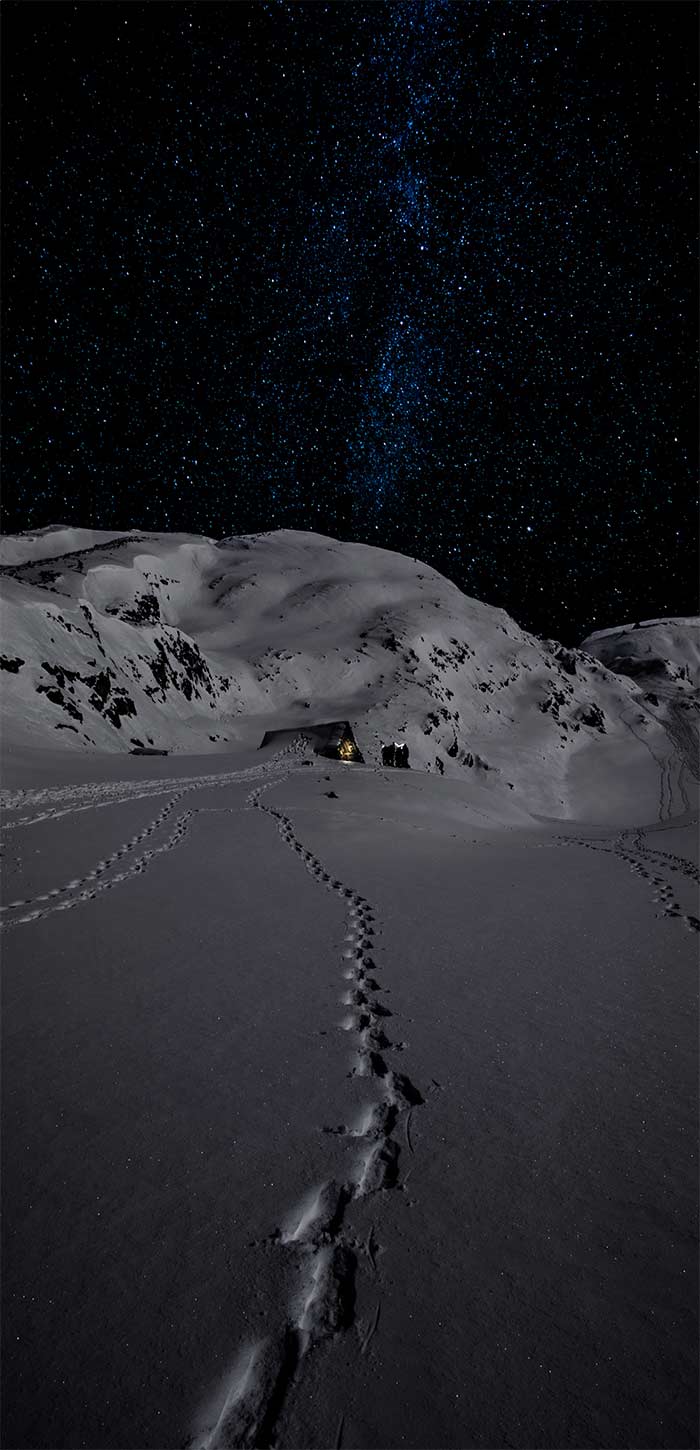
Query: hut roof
x,y
323,736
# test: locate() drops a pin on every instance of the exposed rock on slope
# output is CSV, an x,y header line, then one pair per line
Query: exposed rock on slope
x,y
116,640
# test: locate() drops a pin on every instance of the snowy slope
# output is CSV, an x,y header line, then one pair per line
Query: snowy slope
x,y
332,1118
197,645
343,1106
662,650
51,542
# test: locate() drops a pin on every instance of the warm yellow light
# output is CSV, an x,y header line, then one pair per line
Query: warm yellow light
x,y
346,750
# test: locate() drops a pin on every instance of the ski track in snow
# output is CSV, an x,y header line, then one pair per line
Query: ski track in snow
x,y
317,1232
684,755
86,888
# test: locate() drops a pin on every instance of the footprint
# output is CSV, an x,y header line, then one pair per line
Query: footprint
x,y
233,1411
303,1219
379,1040
314,1229
379,1168
320,1213
378,1121
371,1121
328,1303
404,1091
253,1419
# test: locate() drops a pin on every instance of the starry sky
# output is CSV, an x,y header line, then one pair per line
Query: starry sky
x,y
420,274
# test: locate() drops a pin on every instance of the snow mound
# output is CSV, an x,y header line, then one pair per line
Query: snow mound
x,y
112,641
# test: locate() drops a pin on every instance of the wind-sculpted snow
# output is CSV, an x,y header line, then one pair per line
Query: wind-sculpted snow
x,y
120,641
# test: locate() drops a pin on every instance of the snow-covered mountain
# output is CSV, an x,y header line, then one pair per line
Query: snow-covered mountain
x,y
300,1058
195,645
662,651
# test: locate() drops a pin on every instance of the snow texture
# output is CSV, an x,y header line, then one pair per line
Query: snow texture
x,y
343,1105
112,642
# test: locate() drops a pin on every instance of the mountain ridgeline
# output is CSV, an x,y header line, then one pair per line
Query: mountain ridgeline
x,y
115,641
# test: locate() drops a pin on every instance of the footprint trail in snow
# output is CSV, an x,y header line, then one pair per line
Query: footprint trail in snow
x,y
649,863
103,876
317,1232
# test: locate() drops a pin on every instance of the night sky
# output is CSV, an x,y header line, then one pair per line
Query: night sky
x,y
415,274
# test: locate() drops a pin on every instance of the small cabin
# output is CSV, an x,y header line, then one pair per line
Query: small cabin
x,y
333,739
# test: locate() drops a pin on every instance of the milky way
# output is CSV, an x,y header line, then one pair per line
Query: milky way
x,y
419,275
